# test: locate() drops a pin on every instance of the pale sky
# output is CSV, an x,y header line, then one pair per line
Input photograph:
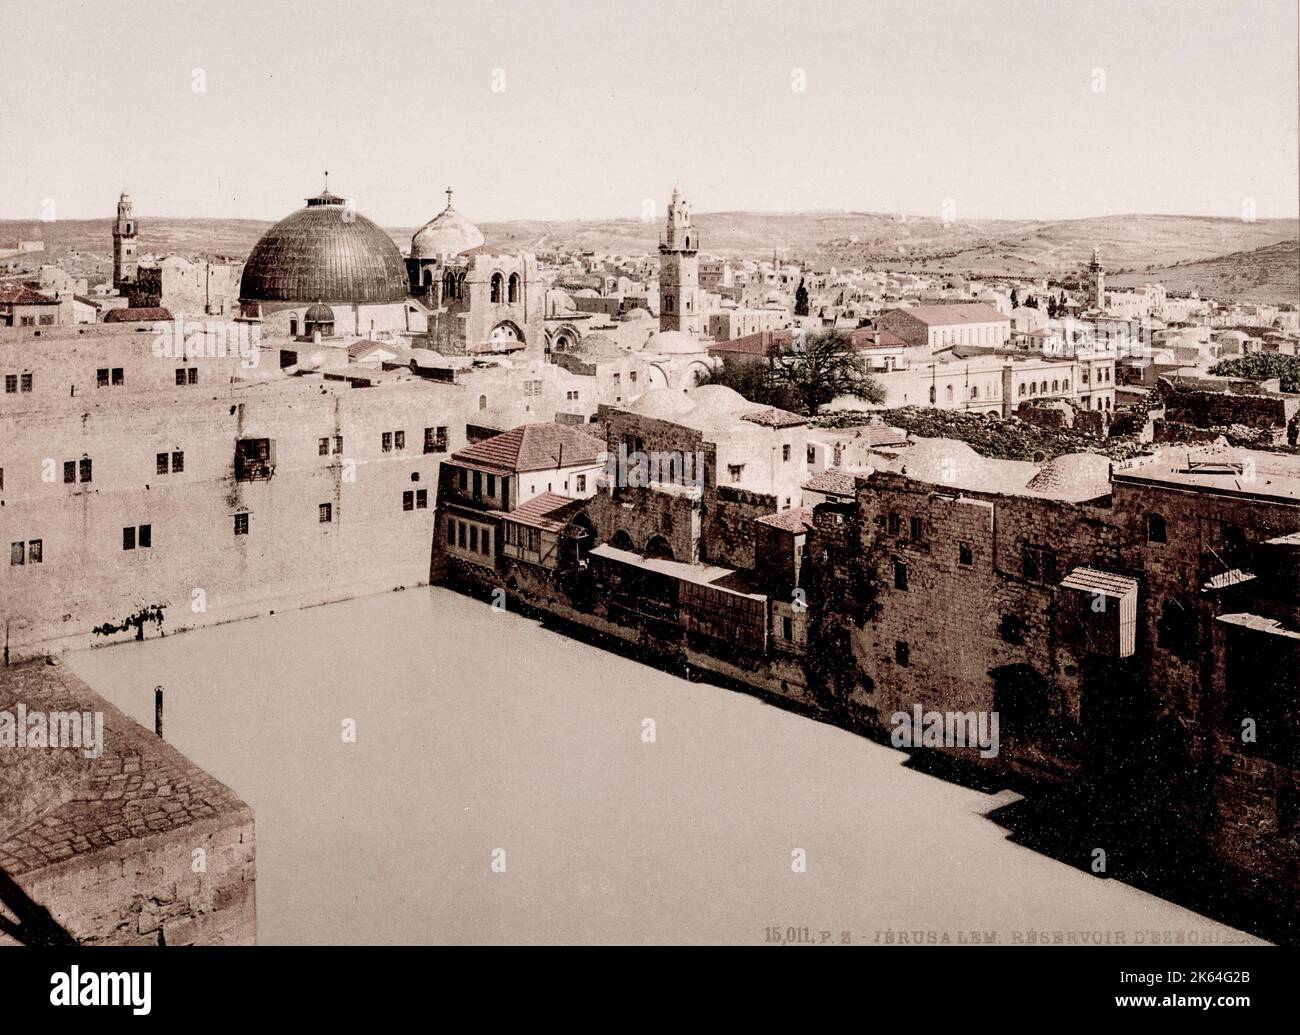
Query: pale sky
x,y
606,102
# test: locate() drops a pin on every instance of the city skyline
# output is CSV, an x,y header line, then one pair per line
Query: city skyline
x,y
528,117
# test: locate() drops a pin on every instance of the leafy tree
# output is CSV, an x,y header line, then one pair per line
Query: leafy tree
x,y
822,366
815,369
801,299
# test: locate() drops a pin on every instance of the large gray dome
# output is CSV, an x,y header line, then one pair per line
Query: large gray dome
x,y
325,252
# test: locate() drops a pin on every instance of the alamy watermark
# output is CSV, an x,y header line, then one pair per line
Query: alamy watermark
x,y
36,729
208,339
637,469
946,729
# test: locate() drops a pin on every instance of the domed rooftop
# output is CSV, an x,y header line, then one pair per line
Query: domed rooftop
x,y
1077,475
719,400
941,461
324,252
447,233
319,313
670,343
663,403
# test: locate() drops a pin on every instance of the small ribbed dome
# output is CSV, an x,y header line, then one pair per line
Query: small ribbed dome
x,y
663,403
319,313
446,234
324,252
718,400
941,461
1085,475
670,343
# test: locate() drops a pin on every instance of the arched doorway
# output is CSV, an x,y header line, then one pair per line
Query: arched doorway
x,y
620,540
659,549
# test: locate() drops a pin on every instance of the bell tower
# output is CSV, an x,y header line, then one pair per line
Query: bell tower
x,y
679,270
125,263
1098,272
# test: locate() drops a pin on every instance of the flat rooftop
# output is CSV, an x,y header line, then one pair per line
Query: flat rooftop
x,y
1249,473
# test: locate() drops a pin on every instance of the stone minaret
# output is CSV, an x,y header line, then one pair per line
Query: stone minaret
x,y
679,271
125,263
1098,280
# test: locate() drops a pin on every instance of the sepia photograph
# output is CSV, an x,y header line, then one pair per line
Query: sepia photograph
x,y
715,477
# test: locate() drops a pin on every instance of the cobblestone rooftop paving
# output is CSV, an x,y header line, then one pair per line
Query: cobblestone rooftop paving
x,y
57,804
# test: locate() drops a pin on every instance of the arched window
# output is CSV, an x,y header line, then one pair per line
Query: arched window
x,y
974,391
1043,388
947,393
1033,388
1157,531
932,395
482,402
460,286
448,285
498,284
1022,389
1056,386
513,294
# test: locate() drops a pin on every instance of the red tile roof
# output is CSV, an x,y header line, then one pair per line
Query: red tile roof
x,y
544,511
768,342
533,447
24,296
774,418
957,313
796,520
833,482
133,315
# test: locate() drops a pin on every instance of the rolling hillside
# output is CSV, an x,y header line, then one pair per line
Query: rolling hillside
x,y
1260,258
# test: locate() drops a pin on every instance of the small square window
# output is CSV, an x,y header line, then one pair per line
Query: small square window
x,y
902,654
180,375
326,513
900,575
163,463
101,377
386,442
69,472
914,528
17,554
241,524
26,382
408,501
580,483
323,446
193,375
178,461
85,469
144,537
338,443
117,376
421,499
399,439
785,452
965,555
11,383
128,537
35,551
895,523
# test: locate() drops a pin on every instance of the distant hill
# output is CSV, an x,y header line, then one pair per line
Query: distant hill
x,y
1268,274
1267,249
